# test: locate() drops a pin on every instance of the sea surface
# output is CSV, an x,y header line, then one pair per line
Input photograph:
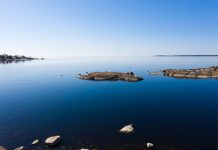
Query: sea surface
x,y
37,102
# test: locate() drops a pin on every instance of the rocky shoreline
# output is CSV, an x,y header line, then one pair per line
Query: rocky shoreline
x,y
111,76
199,73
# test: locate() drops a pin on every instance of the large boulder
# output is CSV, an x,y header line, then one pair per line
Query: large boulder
x,y
53,140
2,148
127,129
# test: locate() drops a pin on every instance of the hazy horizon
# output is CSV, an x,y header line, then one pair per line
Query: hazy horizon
x,y
66,29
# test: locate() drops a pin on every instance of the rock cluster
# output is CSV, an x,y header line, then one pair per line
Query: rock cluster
x,y
111,76
54,141
199,73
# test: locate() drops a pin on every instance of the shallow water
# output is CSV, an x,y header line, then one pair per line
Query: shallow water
x,y
36,102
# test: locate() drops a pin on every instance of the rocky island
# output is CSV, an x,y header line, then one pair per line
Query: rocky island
x,y
111,76
199,73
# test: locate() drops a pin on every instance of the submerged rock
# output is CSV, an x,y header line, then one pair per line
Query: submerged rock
x,y
19,148
111,76
199,73
53,140
35,142
127,129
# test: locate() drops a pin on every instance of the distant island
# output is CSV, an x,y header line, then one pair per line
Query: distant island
x,y
4,58
185,55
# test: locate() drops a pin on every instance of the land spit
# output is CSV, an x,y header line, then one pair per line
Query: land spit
x,y
111,76
199,73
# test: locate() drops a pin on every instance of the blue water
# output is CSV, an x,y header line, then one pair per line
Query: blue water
x,y
36,102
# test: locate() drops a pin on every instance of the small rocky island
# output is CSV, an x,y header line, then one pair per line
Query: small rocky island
x,y
4,58
111,76
199,73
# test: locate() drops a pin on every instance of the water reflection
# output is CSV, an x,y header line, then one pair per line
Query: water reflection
x,y
13,61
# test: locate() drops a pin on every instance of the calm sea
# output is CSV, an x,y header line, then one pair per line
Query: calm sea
x,y
36,102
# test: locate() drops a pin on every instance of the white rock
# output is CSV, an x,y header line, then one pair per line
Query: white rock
x,y
149,145
53,140
127,129
19,148
35,142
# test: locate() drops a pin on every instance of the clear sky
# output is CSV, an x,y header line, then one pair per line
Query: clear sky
x,y
64,28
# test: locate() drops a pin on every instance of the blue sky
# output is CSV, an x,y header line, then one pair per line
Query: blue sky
x,y
65,28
